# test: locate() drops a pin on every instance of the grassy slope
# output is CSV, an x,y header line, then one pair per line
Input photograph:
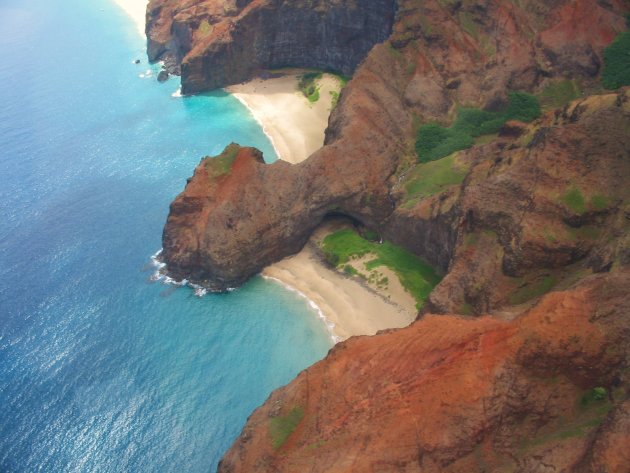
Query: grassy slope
x,y
435,141
415,275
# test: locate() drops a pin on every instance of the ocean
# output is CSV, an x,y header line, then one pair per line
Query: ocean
x,y
103,369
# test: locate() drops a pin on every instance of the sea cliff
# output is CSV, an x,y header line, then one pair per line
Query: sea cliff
x,y
525,213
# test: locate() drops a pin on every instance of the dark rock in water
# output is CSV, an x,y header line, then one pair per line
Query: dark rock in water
x,y
137,61
162,76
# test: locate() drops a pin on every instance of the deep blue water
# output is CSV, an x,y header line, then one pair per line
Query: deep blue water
x,y
101,369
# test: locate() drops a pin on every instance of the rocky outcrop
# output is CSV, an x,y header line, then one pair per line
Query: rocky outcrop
x,y
529,207
222,43
509,219
541,209
547,392
438,55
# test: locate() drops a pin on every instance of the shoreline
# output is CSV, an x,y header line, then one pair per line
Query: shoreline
x,y
136,10
263,127
346,305
330,326
295,127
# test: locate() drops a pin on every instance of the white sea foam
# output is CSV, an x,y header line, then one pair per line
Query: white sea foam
x,y
162,276
329,324
200,291
177,93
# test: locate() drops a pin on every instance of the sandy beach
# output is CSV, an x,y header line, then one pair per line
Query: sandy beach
x,y
294,125
349,307
136,9
296,128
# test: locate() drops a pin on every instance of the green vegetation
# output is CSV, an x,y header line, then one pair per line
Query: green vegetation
x,y
600,202
343,81
415,275
574,200
308,85
559,93
591,410
616,71
427,179
435,141
599,393
222,164
335,98
205,28
370,235
281,427
532,290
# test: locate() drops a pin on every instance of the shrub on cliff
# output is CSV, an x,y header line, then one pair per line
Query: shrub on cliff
x,y
617,62
308,86
435,141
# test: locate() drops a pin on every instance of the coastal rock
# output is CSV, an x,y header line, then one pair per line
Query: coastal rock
x,y
370,135
450,394
511,206
162,76
532,229
531,209
223,43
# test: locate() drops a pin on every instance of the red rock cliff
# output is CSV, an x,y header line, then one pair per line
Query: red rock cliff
x,y
542,209
449,394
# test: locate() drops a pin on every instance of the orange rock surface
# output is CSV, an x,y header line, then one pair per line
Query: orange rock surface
x,y
451,394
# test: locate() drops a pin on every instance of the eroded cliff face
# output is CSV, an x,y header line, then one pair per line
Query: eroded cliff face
x,y
438,55
221,43
508,219
451,394
541,209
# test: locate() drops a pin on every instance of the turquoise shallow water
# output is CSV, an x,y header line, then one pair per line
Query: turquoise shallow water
x,y
101,369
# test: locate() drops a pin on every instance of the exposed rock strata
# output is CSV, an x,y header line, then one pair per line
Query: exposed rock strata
x,y
450,394
434,59
221,43
544,207
510,202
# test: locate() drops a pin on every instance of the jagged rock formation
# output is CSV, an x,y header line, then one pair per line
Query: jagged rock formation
x,y
450,394
221,43
431,62
221,230
512,222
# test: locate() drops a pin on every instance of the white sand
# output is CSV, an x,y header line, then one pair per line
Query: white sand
x,y
351,307
348,305
136,9
293,124
296,129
